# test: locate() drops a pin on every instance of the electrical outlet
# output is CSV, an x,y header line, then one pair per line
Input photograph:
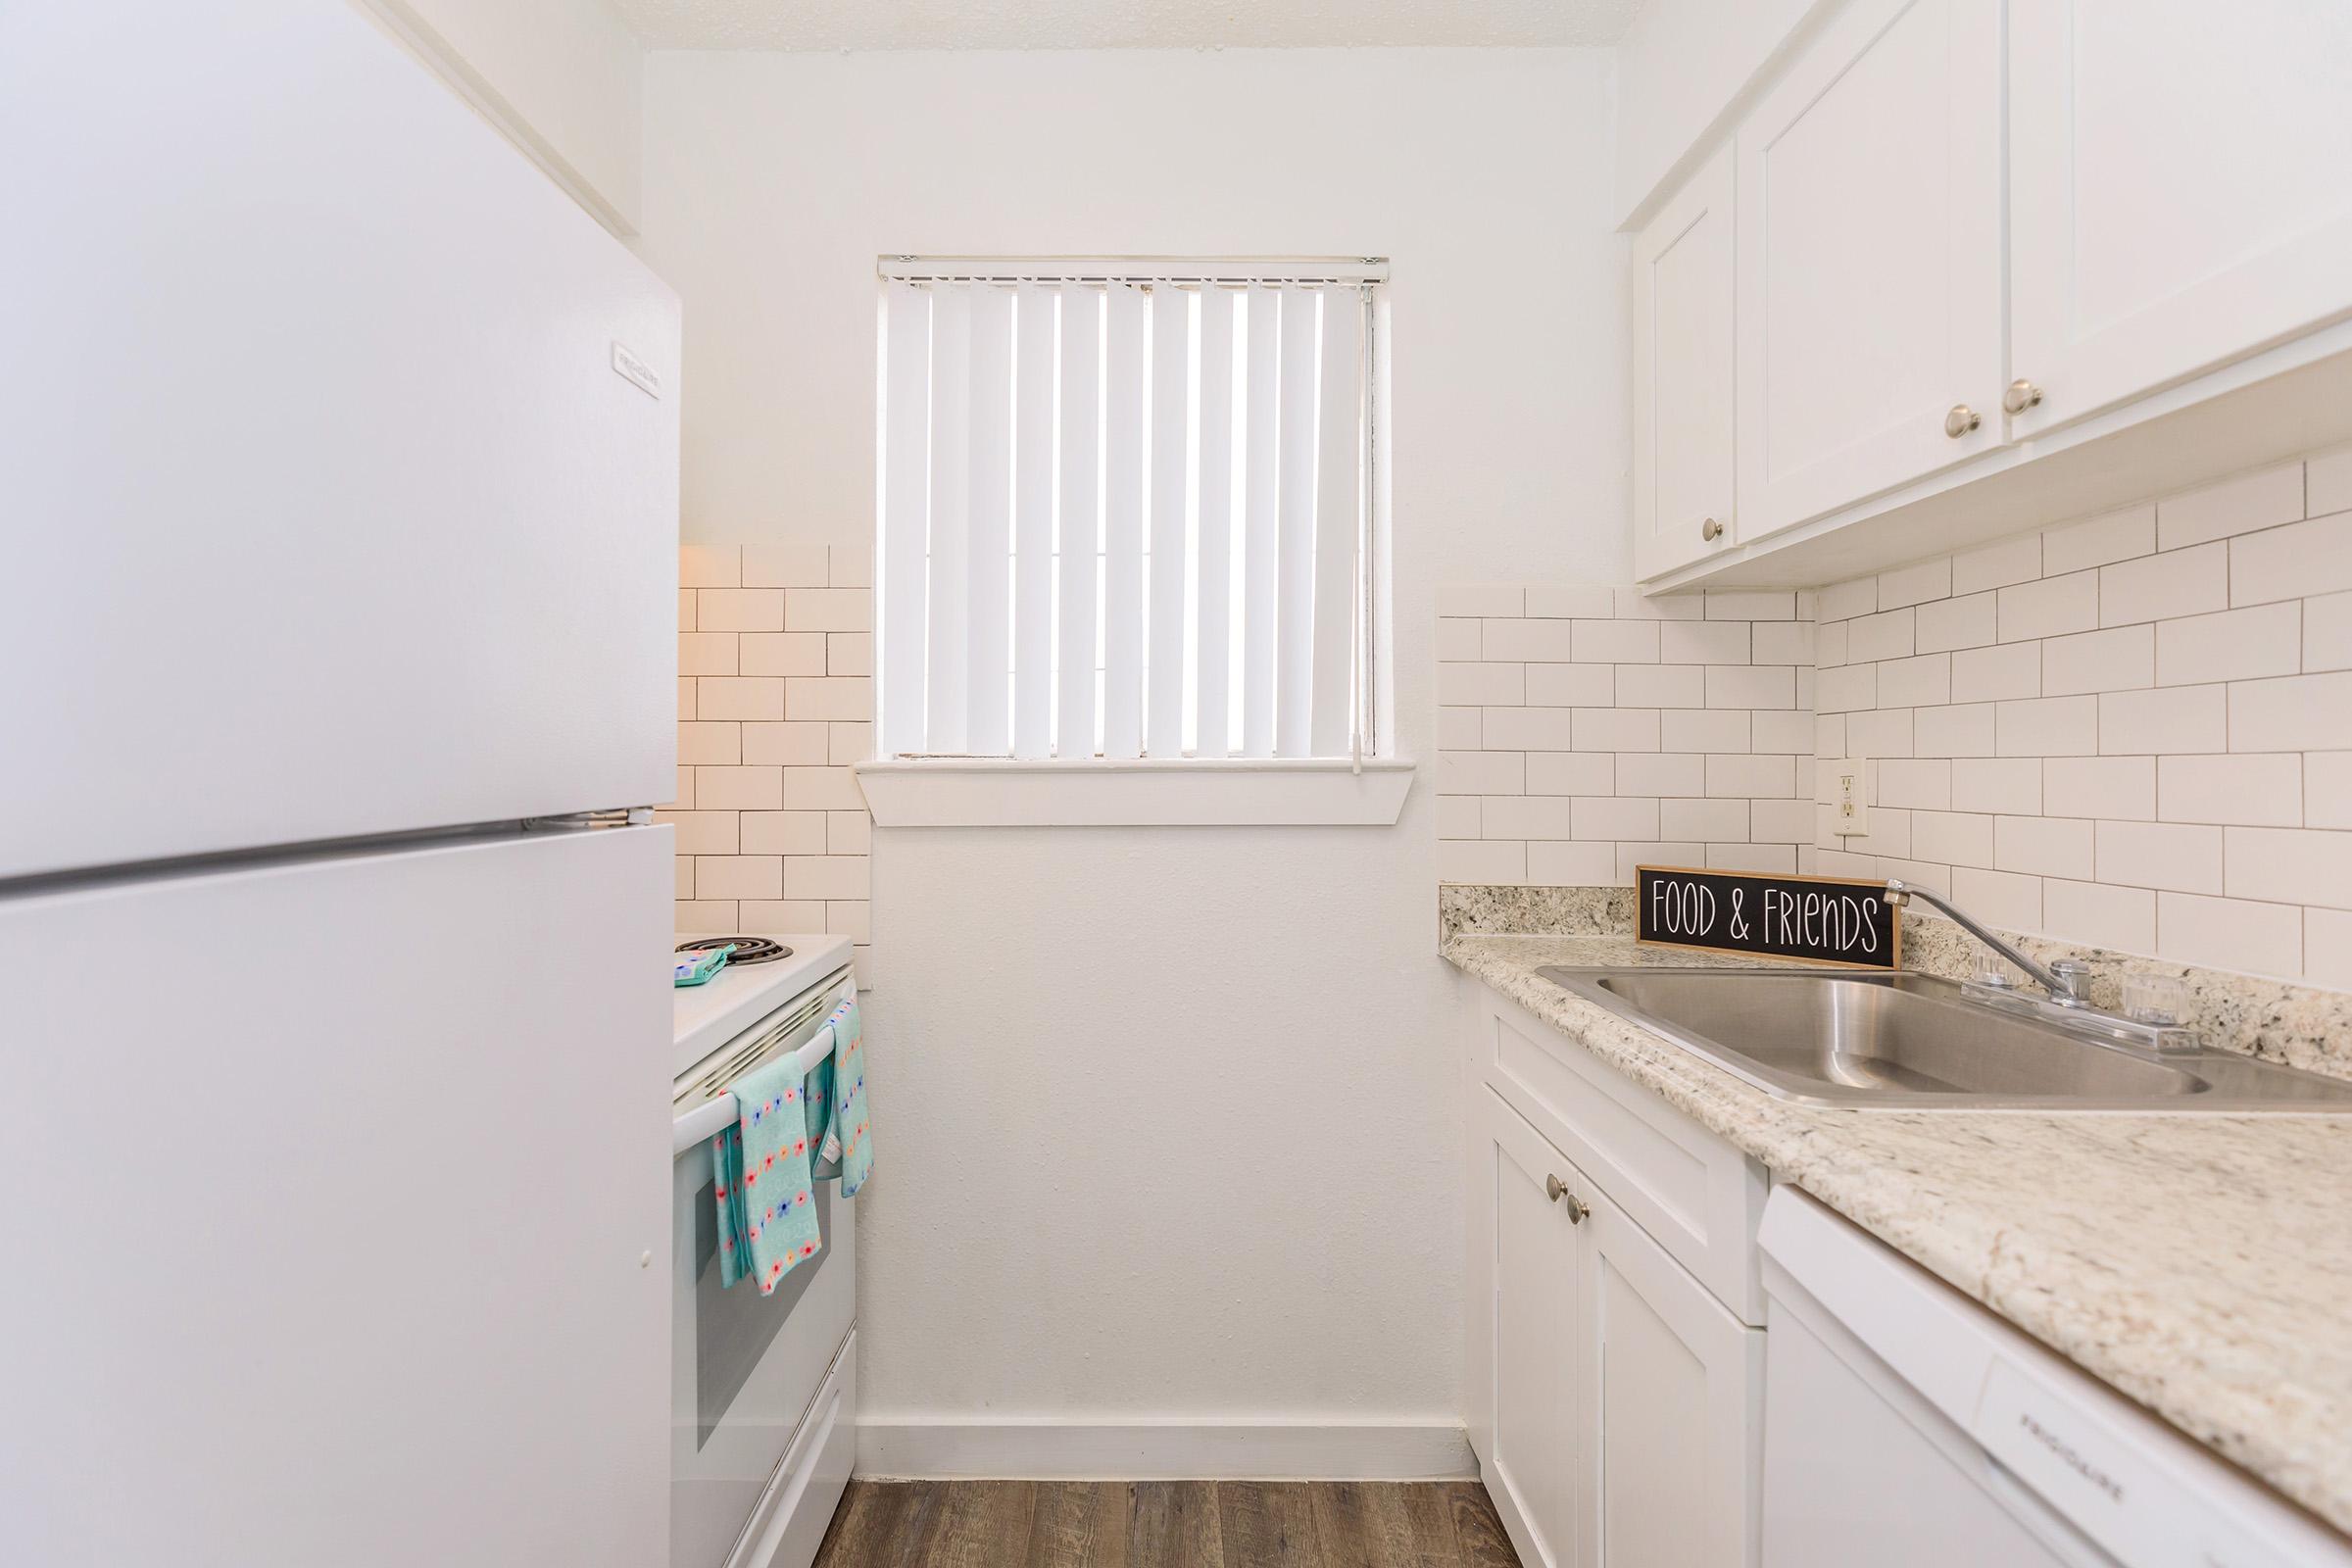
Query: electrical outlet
x,y
1849,808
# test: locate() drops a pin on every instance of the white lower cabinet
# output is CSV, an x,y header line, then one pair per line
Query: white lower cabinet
x,y
1616,1403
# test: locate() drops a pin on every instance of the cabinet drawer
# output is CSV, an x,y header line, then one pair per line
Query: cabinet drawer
x,y
1700,1197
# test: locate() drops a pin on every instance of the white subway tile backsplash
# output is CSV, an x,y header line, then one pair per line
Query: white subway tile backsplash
x,y
2005,899
1885,635
2307,558
2122,787
1882,732
1996,565
1716,820
1712,730
2049,726
1662,685
2099,915
1752,775
1913,585
1572,773
2328,632
1683,773
794,652
739,610
1845,601
1949,624
2096,541
2170,718
2229,934
2003,672
2288,865
1616,641
2236,505
2328,944
854,567
786,744
1908,782
2264,789
1558,863
2044,846
1764,605
1767,859
1632,855
849,833
1458,639
719,696
2048,607
1529,729
1615,816
2007,786
1631,604
1749,686
1778,730
710,565
2328,482
2179,582
1922,683
1461,729
1524,641
1481,861
1965,729
2231,645
1481,773
1828,644
1788,821
2296,712
1525,817
1710,642
1846,689
2328,789
1778,642
1478,685
1952,838
1571,685
1616,729
2115,659
2160,855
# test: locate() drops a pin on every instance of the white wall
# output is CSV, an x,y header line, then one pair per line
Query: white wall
x,y
1168,1119
562,77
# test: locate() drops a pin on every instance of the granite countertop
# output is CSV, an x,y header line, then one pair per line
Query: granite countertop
x,y
2200,1264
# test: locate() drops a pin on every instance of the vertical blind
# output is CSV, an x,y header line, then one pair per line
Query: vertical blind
x,y
1125,517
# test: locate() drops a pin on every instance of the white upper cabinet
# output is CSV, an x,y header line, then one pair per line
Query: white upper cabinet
x,y
1870,313
1682,433
2178,194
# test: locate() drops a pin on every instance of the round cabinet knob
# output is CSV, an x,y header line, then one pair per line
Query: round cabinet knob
x,y
1556,1189
1961,421
2021,396
1710,530
1553,1187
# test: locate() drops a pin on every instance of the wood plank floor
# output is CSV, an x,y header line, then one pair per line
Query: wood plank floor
x,y
1165,1524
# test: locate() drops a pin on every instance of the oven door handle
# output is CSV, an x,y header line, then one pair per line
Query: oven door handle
x,y
717,1113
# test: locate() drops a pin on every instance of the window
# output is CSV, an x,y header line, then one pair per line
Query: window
x,y
1129,516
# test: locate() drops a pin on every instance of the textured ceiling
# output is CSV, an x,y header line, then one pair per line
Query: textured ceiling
x,y
1120,24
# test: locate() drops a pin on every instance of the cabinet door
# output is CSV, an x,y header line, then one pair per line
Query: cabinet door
x,y
1870,261
1671,1450
2177,195
1527,1376
1684,454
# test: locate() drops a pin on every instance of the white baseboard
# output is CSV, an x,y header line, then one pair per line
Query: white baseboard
x,y
1042,1450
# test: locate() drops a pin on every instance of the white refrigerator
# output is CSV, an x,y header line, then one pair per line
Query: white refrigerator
x,y
338,502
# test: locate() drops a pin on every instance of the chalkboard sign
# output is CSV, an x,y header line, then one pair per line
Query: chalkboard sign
x,y
1823,919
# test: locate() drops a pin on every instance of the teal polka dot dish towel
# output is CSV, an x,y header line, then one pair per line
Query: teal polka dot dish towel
x,y
792,1130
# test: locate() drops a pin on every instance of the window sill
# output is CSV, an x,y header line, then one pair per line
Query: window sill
x,y
1236,792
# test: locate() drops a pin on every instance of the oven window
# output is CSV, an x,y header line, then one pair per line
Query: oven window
x,y
733,1328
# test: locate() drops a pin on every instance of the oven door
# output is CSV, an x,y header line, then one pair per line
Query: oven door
x,y
744,1366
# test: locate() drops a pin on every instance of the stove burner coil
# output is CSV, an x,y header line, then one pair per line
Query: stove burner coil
x,y
747,949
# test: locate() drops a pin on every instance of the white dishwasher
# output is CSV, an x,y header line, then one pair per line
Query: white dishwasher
x,y
1904,1424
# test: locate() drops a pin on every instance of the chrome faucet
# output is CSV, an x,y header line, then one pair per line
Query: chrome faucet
x,y
2068,981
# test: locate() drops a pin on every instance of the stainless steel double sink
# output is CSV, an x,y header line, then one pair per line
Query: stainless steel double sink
x,y
1914,1042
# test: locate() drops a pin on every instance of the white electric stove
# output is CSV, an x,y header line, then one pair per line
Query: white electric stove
x,y
762,1389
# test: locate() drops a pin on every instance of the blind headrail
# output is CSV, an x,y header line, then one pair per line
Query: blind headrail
x,y
1238,272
